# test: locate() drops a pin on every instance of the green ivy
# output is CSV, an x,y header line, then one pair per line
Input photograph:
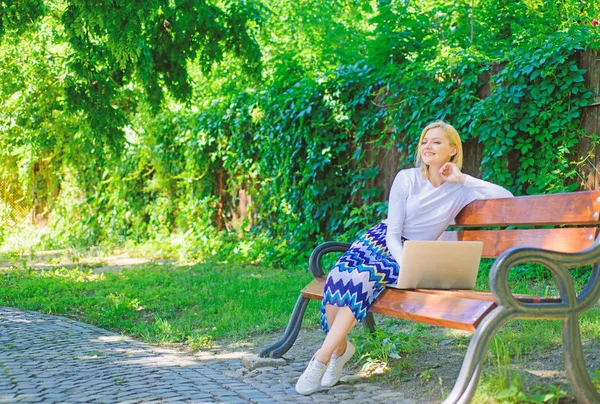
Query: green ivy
x,y
533,115
170,149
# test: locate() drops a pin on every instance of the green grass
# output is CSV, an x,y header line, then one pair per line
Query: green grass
x,y
204,303
163,303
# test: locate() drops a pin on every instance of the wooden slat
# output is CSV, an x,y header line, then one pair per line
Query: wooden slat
x,y
445,311
574,208
314,290
497,241
449,312
480,295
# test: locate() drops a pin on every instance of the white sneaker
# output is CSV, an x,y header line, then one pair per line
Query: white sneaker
x,y
336,366
310,380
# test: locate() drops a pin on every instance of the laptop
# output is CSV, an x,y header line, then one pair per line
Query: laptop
x,y
439,265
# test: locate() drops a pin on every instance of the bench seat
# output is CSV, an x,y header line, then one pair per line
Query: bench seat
x,y
458,309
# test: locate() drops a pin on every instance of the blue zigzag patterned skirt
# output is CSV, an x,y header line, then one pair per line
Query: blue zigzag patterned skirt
x,y
360,275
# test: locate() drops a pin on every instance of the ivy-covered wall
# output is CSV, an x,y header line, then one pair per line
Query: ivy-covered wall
x,y
266,168
314,160
521,122
589,147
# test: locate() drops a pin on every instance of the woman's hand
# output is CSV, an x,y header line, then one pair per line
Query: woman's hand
x,y
451,173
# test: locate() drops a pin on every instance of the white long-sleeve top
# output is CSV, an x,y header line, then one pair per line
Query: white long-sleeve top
x,y
419,211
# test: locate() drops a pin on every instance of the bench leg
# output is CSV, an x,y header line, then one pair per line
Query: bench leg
x,y
466,383
583,388
278,349
369,322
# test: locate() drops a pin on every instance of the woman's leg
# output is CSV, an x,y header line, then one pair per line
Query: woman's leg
x,y
351,286
335,341
312,378
331,312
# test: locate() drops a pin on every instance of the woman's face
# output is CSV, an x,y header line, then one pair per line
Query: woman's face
x,y
435,147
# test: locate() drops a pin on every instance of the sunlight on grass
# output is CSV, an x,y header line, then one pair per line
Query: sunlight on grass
x,y
195,304
589,324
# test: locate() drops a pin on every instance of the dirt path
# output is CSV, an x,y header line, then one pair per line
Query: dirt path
x,y
431,374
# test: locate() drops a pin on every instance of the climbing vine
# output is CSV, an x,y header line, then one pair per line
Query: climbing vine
x,y
308,151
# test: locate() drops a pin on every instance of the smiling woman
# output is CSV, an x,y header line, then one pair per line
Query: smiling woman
x,y
439,143
423,201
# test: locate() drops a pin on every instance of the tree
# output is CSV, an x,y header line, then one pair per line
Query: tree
x,y
113,45
75,75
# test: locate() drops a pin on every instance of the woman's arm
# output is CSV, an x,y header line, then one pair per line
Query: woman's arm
x,y
486,190
396,215
482,189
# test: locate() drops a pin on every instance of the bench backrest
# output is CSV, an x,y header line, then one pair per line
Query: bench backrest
x,y
565,222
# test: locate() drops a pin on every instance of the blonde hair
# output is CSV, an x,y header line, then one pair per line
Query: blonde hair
x,y
453,138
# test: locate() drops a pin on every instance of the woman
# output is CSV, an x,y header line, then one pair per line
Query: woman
x,y
422,202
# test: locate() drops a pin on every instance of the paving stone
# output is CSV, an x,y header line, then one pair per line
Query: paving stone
x,y
27,389
201,396
341,388
54,359
253,361
7,398
304,399
389,395
230,399
106,399
256,396
20,397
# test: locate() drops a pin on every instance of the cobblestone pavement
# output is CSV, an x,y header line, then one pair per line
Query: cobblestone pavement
x,y
53,359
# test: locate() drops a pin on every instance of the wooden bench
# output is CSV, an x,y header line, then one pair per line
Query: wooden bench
x,y
559,231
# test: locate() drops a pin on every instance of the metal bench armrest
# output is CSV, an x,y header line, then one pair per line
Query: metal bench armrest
x,y
314,262
558,263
